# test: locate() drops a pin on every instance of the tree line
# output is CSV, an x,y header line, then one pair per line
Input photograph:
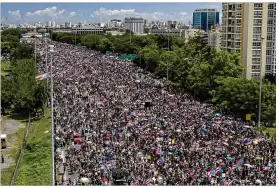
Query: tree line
x,y
20,92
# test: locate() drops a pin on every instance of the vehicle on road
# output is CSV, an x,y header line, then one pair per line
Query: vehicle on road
x,y
3,141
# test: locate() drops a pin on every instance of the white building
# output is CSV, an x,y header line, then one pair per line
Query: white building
x,y
136,25
68,24
243,25
48,23
53,23
214,37
88,30
115,23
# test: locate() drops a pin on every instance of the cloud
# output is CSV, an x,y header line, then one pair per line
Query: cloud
x,y
49,13
72,14
106,12
14,15
103,14
183,13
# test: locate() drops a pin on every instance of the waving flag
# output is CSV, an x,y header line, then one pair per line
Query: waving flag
x,y
218,170
269,165
42,76
136,182
211,173
160,161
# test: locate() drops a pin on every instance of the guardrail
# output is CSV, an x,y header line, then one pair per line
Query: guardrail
x,y
19,156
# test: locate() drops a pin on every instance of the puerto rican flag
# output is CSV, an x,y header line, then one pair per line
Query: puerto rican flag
x,y
148,181
160,161
218,170
211,173
136,182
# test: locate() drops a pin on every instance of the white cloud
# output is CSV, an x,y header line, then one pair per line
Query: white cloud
x,y
183,13
14,15
106,12
50,13
71,14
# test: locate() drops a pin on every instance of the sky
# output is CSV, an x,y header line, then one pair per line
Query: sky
x,y
16,13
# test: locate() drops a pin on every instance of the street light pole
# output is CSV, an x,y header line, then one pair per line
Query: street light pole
x,y
35,52
52,120
260,95
75,38
168,50
131,35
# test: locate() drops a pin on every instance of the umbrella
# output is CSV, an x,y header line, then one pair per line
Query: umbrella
x,y
248,165
225,143
84,180
218,114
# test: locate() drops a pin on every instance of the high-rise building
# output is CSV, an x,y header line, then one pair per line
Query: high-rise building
x,y
244,25
48,23
145,22
214,37
136,25
68,24
205,18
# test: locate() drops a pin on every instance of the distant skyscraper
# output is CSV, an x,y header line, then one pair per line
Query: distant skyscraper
x,y
48,23
205,18
68,24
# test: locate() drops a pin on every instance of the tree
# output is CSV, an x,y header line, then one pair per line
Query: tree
x,y
166,64
151,57
22,51
7,93
24,85
11,32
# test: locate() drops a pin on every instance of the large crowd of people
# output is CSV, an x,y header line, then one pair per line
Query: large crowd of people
x,y
110,114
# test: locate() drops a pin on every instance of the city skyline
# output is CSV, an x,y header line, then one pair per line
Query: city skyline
x,y
16,13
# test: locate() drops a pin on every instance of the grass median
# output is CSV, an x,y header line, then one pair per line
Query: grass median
x,y
35,167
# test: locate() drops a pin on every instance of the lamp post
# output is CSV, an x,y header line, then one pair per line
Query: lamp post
x,y
52,118
168,50
260,95
35,52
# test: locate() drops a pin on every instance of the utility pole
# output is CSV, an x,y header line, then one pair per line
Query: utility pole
x,y
260,95
52,120
168,50
35,52
75,38
131,34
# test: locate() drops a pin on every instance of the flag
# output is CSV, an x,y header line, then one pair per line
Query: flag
x,y
269,165
42,76
211,173
136,182
218,170
160,161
